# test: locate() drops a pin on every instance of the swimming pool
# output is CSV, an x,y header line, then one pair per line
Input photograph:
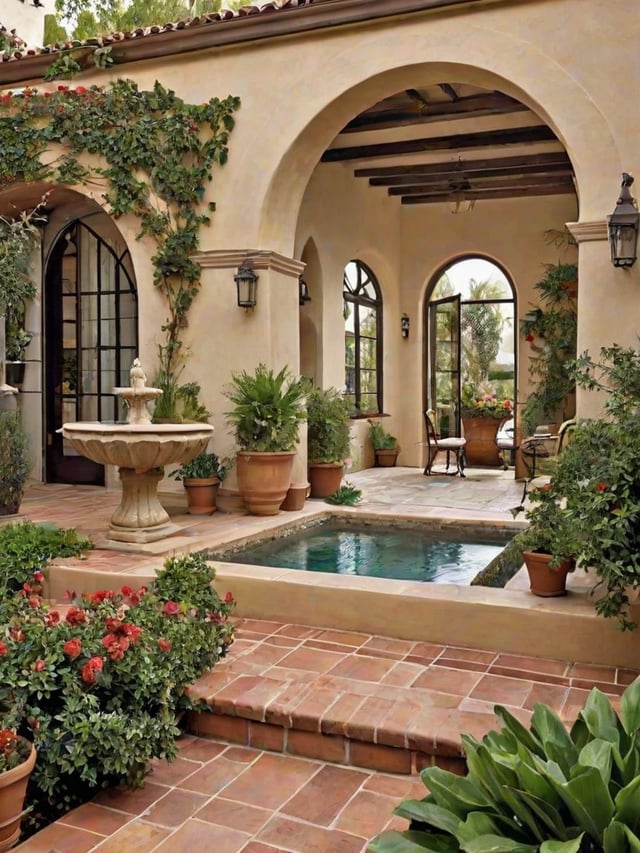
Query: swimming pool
x,y
425,553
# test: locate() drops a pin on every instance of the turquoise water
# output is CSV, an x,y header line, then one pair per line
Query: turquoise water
x,y
381,552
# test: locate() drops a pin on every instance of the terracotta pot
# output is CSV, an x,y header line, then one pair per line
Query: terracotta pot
x,y
325,478
201,494
296,496
264,479
13,787
386,458
481,447
544,580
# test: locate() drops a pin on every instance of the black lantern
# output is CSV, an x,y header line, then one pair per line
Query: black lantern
x,y
303,291
623,227
404,325
247,283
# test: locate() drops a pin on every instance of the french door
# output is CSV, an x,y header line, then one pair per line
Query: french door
x,y
443,368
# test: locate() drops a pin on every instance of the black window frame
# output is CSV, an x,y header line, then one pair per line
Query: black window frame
x,y
356,297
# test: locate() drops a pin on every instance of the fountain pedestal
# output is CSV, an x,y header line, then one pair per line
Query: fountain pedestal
x,y
140,517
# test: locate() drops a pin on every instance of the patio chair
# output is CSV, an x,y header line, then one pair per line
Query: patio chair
x,y
540,454
506,441
449,445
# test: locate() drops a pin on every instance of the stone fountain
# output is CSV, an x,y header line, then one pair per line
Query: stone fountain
x,y
140,449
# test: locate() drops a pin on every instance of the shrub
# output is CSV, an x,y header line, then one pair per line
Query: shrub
x,y
328,415
380,438
204,466
539,789
98,688
14,462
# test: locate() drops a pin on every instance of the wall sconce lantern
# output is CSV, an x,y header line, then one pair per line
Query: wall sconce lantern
x,y
303,291
247,283
623,227
404,325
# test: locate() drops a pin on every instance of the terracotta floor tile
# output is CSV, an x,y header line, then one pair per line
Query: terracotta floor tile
x,y
401,647
299,631
311,660
345,638
131,800
379,653
391,729
57,838
241,754
304,838
175,808
475,655
259,626
258,847
502,691
213,777
398,787
265,654
235,815
94,818
453,663
626,676
574,703
427,652
323,645
403,674
308,714
281,640
279,710
198,837
363,668
551,694
366,814
528,664
198,748
171,773
271,781
324,796
592,672
335,717
136,835
454,681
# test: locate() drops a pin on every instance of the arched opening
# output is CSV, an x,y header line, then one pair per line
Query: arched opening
x,y
90,338
470,366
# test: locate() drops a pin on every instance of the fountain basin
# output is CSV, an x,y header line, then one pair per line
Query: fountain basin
x,y
140,451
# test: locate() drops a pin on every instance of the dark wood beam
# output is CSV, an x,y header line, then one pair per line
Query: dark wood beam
x,y
551,189
448,89
417,98
478,185
473,106
542,172
469,166
482,139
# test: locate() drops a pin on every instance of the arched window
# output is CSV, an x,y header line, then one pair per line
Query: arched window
x,y
363,339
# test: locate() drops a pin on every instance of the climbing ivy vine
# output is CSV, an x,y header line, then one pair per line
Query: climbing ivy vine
x,y
151,155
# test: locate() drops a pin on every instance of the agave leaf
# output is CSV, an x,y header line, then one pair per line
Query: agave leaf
x,y
456,793
588,800
598,753
600,718
412,842
521,733
558,745
630,707
429,813
627,805
571,846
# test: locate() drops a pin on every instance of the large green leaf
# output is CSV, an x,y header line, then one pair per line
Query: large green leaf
x,y
600,718
429,813
412,842
521,733
627,805
598,753
490,773
558,745
481,823
496,844
547,814
532,781
630,707
572,846
456,793
618,838
588,801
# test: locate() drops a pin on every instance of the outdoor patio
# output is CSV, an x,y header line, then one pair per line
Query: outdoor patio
x,y
316,728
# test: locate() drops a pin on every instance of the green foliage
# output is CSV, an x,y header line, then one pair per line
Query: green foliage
x,y
551,529
328,417
552,332
267,409
26,548
346,495
598,477
54,33
14,461
204,465
63,67
474,405
380,438
98,688
156,154
539,789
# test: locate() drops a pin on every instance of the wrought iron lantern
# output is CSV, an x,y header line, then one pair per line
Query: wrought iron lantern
x,y
404,325
247,284
303,291
623,227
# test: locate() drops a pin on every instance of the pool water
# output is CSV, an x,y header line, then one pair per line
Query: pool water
x,y
407,553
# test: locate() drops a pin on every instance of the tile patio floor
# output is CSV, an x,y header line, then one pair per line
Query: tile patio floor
x,y
315,733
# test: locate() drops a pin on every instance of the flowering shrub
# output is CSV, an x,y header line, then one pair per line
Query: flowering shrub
x,y
96,684
486,406
14,749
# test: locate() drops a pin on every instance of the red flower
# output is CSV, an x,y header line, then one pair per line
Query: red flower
x,y
89,670
63,88
131,631
76,616
3,649
126,591
38,577
39,665
17,635
53,617
34,602
171,608
80,90
228,599
72,648
164,645
112,625
602,487
530,338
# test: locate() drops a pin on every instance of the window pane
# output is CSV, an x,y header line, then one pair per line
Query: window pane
x,y
367,321
350,351
368,381
368,354
350,380
362,345
368,404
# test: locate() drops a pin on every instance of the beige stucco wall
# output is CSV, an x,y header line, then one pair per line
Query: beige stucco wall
x,y
564,58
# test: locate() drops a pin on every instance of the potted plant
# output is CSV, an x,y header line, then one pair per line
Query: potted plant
x,y
549,544
328,439
14,462
17,760
16,342
482,413
385,445
201,478
267,411
551,332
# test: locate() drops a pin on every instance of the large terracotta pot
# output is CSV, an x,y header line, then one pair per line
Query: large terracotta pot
x,y
325,478
13,787
386,458
201,494
544,580
481,447
264,479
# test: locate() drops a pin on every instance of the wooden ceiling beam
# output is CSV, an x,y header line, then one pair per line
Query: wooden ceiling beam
x,y
481,139
473,106
524,192
468,166
448,89
494,175
479,185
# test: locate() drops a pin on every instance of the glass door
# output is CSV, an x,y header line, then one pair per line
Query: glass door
x,y
443,367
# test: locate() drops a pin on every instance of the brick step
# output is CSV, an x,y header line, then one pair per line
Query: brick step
x,y
379,703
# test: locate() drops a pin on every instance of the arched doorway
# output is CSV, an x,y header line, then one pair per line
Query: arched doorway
x,y
91,339
471,345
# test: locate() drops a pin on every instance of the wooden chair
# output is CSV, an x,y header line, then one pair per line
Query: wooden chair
x,y
450,445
